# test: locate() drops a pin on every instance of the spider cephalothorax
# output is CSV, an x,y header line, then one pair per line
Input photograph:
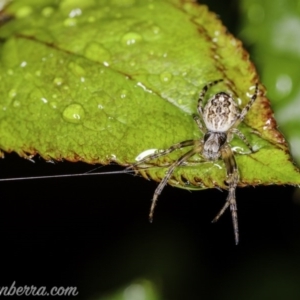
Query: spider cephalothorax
x,y
218,121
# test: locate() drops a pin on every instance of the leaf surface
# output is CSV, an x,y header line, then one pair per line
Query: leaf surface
x,y
103,81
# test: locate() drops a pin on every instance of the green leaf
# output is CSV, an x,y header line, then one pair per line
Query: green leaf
x,y
273,30
103,81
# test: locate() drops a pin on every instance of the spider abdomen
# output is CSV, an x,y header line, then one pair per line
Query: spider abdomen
x,y
220,112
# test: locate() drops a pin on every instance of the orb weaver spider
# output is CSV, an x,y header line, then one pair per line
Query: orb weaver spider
x,y
220,118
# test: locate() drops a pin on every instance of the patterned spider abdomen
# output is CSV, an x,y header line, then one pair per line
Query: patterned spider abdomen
x,y
220,113
213,141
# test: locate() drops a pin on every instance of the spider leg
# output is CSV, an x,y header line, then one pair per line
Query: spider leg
x,y
202,94
243,138
162,153
181,160
199,123
247,107
232,180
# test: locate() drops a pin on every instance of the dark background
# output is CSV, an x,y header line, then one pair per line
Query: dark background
x,y
93,232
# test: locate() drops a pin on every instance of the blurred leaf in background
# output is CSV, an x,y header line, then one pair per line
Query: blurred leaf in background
x,y
138,290
271,29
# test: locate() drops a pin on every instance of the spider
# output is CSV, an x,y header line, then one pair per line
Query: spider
x,y
220,119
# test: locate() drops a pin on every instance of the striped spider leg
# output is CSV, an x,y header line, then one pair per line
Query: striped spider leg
x,y
198,145
218,121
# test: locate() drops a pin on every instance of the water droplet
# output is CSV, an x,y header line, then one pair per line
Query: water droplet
x,y
165,77
23,64
76,69
16,103
58,81
70,22
96,52
38,73
131,38
12,93
123,94
47,11
53,104
74,113
151,32
23,11
44,100
155,29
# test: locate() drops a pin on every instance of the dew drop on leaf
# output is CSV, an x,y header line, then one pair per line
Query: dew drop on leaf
x,y
58,81
131,38
16,103
165,77
96,52
53,104
123,93
76,69
74,113
12,93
